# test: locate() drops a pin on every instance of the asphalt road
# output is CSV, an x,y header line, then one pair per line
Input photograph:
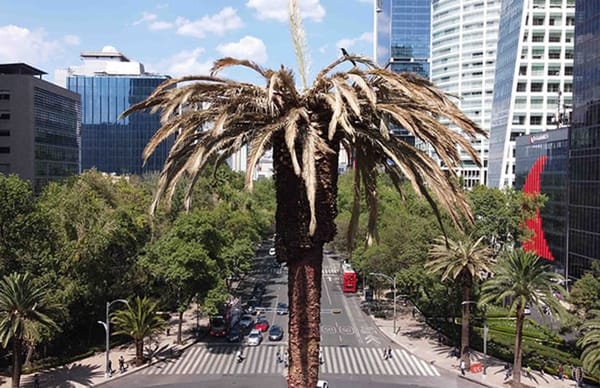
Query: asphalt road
x,y
352,347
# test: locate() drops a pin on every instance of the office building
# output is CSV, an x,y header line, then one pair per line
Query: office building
x,y
39,126
584,143
464,36
541,168
533,77
109,83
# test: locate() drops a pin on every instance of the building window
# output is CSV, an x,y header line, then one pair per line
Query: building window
x,y
535,120
4,150
521,87
570,20
554,37
4,95
523,70
4,168
4,132
537,86
568,87
4,116
568,70
538,20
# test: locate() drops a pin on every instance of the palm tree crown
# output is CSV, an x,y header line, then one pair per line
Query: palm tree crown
x,y
463,257
591,344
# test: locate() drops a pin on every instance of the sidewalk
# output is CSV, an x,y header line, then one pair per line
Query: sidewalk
x,y
89,372
417,337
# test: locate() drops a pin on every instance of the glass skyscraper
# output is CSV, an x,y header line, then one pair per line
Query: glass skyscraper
x,y
584,142
109,83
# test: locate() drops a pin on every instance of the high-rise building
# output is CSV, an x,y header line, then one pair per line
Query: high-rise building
x,y
402,40
464,36
533,77
39,126
584,143
541,168
109,83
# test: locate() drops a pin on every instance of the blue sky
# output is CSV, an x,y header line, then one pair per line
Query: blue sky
x,y
180,37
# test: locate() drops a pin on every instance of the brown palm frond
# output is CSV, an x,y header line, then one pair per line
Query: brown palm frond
x,y
223,63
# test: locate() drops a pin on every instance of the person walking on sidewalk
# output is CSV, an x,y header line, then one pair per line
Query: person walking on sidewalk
x,y
463,366
278,356
561,371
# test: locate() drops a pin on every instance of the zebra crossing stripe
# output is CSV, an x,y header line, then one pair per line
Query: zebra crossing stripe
x,y
378,364
368,356
359,360
429,368
418,364
407,362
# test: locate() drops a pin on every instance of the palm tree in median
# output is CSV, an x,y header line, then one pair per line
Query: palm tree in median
x,y
462,259
138,321
590,342
523,279
24,308
213,117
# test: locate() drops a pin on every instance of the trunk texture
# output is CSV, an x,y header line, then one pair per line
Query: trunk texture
x,y
16,371
179,327
464,335
518,350
303,252
304,295
139,352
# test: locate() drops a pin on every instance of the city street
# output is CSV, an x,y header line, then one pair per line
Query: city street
x,y
352,346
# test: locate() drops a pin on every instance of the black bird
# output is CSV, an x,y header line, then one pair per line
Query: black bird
x,y
345,53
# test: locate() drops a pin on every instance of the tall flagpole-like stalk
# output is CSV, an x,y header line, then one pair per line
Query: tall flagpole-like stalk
x,y
299,41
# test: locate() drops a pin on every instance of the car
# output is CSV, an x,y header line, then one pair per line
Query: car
x,y
275,333
282,309
322,384
251,306
254,338
272,251
234,334
261,323
527,310
246,321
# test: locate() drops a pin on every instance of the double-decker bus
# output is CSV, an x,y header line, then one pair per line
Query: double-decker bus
x,y
348,278
221,324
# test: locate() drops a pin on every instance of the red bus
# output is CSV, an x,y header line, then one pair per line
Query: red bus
x,y
348,278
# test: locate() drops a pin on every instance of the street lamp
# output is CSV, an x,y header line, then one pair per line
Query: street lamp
x,y
485,332
106,326
393,280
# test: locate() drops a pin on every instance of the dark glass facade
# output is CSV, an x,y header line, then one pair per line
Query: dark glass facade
x,y
584,142
56,147
541,168
108,143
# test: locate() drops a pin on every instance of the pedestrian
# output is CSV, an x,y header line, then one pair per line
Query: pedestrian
x,y
414,312
506,371
36,381
385,354
561,371
286,358
168,331
278,356
321,361
121,364
110,369
463,366
542,367
528,371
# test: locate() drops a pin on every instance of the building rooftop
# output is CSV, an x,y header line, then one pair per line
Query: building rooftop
x,y
20,68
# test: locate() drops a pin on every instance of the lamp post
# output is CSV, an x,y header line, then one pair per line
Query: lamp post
x,y
485,332
393,280
106,325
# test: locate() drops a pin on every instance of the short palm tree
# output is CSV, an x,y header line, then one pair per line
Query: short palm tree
x,y
590,342
463,259
138,320
213,117
523,279
23,309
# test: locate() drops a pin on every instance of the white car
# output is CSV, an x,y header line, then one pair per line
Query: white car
x,y
254,338
322,384
272,251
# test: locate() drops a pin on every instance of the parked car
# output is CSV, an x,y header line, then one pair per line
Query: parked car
x,y
261,323
275,333
234,334
254,338
322,384
282,309
246,321
272,251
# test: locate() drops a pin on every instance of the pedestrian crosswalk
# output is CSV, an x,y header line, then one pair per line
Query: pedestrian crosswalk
x,y
221,360
331,270
276,270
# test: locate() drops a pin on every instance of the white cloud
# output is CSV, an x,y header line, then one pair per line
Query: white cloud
x,y
278,9
226,20
72,40
185,62
160,25
349,42
20,44
146,17
248,47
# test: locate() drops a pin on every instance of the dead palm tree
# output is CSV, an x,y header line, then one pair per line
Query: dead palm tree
x,y
213,117
462,259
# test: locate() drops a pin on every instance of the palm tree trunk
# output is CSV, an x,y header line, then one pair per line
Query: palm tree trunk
x,y
518,350
464,335
16,370
304,295
180,325
139,352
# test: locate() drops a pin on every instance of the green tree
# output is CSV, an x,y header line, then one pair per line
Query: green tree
x,y
585,293
138,320
23,311
306,128
521,279
463,259
590,342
